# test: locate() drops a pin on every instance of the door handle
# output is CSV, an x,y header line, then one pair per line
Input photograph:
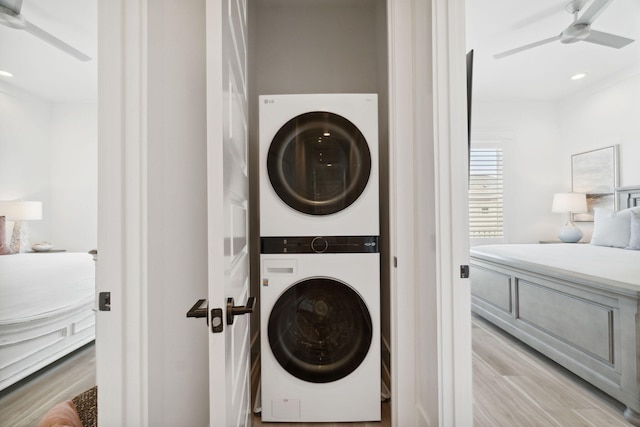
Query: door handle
x,y
199,309
238,310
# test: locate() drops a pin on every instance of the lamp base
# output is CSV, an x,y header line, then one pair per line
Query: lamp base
x,y
20,237
570,233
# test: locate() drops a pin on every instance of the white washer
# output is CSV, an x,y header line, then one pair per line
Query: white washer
x,y
320,337
319,165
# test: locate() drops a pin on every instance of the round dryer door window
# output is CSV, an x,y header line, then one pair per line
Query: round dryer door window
x,y
319,163
320,330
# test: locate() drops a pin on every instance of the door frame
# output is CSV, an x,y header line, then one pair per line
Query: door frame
x,y
121,357
430,321
422,83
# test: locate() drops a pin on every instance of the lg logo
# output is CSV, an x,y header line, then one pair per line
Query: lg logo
x,y
269,101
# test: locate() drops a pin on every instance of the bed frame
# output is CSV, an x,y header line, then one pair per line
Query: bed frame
x,y
27,346
30,346
534,307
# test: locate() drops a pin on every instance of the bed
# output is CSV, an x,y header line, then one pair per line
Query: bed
x,y
46,310
578,304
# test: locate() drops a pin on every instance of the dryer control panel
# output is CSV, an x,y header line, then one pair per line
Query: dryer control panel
x,y
319,245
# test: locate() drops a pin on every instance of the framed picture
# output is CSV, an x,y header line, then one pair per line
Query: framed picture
x,y
595,173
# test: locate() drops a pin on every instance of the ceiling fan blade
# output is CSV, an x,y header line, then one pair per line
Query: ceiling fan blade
x,y
13,5
56,42
525,47
606,39
590,15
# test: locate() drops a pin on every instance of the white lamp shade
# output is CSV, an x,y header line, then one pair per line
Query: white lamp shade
x,y
569,202
21,210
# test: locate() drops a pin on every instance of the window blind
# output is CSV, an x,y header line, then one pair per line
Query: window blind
x,y
486,213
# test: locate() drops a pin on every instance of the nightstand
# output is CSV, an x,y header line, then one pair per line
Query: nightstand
x,y
558,241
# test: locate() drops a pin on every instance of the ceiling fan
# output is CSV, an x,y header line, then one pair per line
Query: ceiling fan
x,y
579,30
11,17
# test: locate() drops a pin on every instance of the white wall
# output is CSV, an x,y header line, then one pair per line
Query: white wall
x,y
542,137
532,158
74,177
48,153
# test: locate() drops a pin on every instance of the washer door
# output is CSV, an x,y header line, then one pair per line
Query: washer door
x,y
320,330
319,163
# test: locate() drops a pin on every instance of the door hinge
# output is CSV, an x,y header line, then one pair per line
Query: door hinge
x,y
464,271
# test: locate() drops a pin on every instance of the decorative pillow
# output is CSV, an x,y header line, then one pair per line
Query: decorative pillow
x,y
611,228
62,415
4,249
634,240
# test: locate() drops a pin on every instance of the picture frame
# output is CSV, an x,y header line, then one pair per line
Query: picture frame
x,y
595,173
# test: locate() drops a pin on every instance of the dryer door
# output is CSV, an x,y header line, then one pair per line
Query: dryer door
x,y
320,330
319,163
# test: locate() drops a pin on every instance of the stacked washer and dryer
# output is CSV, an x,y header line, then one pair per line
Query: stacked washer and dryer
x,y
320,260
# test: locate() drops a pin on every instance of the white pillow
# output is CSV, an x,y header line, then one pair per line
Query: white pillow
x,y
634,240
612,228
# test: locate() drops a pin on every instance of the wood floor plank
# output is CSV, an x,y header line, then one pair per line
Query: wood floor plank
x,y
500,403
549,393
25,403
598,418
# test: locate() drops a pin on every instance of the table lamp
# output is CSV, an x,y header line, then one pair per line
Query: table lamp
x,y
19,212
569,203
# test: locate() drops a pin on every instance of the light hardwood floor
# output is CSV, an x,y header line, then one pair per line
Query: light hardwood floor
x,y
514,386
25,403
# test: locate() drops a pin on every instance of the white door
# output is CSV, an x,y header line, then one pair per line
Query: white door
x,y
228,194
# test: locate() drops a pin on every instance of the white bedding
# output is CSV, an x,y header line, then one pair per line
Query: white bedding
x,y
36,285
615,267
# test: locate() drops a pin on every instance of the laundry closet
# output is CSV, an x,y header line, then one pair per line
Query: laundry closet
x,y
319,47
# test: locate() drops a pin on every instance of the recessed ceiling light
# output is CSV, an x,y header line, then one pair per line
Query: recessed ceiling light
x,y
5,73
578,76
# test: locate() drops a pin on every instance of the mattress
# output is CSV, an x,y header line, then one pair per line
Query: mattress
x,y
596,265
38,285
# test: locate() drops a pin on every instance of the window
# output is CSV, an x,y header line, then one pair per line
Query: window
x,y
486,213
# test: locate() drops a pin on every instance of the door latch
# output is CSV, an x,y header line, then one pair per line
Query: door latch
x,y
464,271
201,309
216,320
104,301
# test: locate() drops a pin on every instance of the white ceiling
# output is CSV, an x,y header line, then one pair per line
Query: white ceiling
x,y
543,73
493,26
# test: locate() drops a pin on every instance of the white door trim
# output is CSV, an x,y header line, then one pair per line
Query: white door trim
x,y
429,301
452,241
122,219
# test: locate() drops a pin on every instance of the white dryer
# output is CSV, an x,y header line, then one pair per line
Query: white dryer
x,y
320,330
319,165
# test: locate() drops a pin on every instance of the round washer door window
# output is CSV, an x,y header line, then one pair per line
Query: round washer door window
x,y
320,330
319,163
